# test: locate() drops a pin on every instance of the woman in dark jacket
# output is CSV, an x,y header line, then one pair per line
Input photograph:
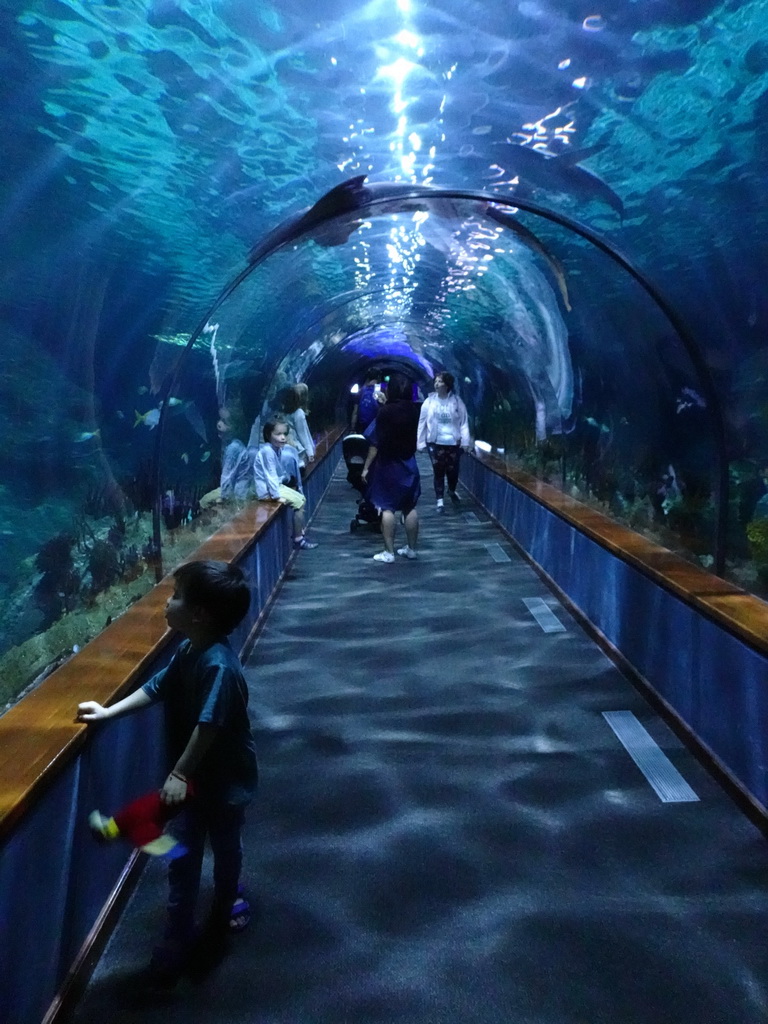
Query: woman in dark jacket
x,y
395,485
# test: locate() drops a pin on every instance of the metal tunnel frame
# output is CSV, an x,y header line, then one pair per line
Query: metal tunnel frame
x,y
705,380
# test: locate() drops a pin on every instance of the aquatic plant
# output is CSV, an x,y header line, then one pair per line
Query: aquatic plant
x,y
150,552
59,586
640,513
131,564
103,565
116,534
104,499
757,535
138,489
55,556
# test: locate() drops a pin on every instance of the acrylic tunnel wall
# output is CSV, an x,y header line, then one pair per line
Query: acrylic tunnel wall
x,y
568,365
149,148
421,279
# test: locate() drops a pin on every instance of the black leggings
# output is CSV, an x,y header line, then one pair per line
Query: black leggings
x,y
445,465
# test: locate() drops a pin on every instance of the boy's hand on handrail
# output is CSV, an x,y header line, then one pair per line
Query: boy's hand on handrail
x,y
90,711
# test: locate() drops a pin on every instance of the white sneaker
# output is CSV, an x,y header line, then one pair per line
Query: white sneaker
x,y
440,505
407,552
384,556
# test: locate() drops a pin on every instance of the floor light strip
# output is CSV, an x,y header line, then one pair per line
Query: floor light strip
x,y
544,615
666,780
497,553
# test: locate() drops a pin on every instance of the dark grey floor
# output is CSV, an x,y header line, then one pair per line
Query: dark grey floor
x,y
448,830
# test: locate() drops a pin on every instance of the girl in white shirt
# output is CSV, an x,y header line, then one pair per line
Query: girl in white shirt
x,y
444,431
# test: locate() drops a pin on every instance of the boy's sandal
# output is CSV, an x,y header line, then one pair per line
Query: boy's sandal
x,y
240,916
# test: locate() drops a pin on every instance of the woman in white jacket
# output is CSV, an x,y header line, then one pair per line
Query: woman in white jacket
x,y
444,431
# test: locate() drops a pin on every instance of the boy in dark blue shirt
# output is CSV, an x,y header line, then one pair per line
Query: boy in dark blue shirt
x,y
209,743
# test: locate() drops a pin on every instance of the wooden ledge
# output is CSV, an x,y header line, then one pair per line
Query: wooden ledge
x,y
736,611
39,735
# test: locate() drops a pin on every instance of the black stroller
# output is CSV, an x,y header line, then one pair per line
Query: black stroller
x,y
354,448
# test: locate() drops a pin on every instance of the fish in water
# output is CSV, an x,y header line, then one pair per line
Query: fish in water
x,y
87,435
689,399
151,418
185,458
600,426
148,419
559,173
205,456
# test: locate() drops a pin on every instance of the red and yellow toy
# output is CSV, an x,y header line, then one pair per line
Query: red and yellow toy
x,y
142,823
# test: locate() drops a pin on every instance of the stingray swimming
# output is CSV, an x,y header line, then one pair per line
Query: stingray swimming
x,y
332,219
561,173
317,220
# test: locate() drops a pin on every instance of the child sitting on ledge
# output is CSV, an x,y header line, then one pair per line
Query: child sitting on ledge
x,y
277,475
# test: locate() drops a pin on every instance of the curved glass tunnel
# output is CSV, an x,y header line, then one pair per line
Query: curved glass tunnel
x,y
148,148
453,284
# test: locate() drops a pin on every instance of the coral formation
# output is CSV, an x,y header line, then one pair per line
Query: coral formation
x,y
103,565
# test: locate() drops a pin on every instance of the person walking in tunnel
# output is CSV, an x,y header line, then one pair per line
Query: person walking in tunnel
x,y
395,484
212,755
367,403
444,431
277,475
